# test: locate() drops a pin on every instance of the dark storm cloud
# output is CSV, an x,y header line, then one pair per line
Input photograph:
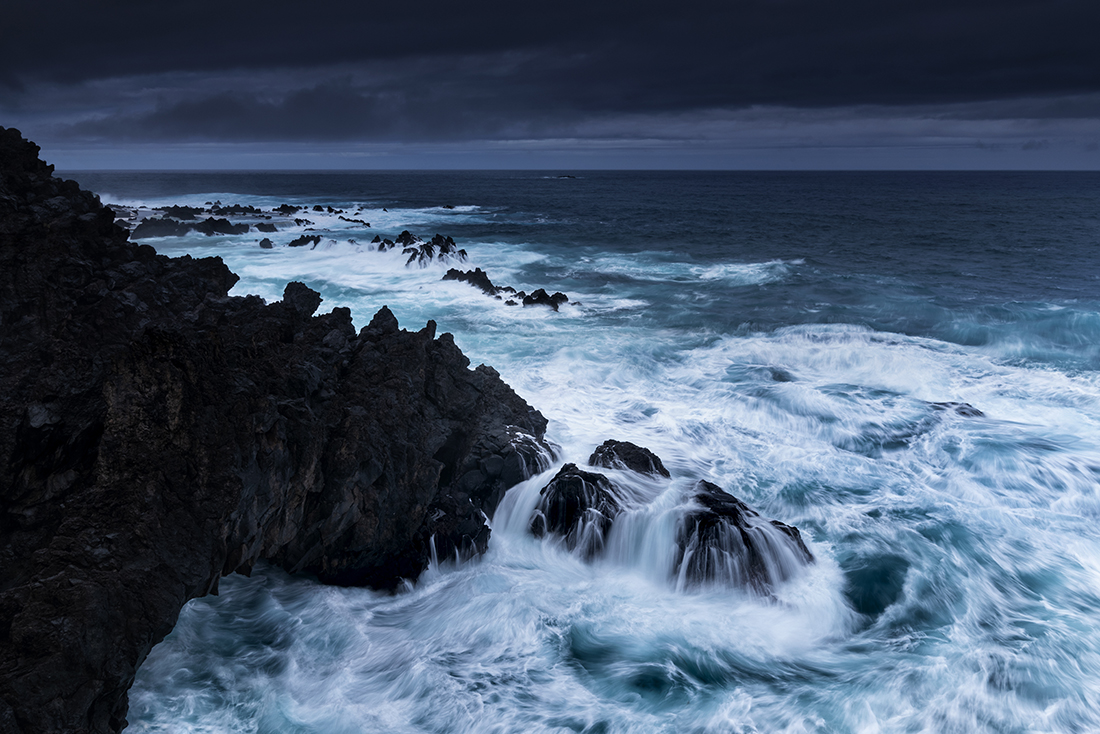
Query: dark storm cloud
x,y
819,72
622,56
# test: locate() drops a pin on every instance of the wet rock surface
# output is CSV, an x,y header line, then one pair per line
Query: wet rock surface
x,y
725,540
156,434
613,454
579,506
480,280
719,539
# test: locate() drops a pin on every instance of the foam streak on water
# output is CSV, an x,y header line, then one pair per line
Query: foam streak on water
x,y
819,347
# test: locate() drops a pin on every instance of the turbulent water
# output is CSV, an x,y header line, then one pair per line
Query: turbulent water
x,y
784,336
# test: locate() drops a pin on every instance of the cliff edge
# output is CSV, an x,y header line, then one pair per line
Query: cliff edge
x,y
157,434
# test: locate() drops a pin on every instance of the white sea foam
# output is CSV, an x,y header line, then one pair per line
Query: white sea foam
x,y
955,587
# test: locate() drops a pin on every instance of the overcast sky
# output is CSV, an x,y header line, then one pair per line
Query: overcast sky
x,y
799,84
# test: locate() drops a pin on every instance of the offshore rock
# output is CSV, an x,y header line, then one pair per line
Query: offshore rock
x,y
476,277
726,541
613,454
542,298
579,506
156,434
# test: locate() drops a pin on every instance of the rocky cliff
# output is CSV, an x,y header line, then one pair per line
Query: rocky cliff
x,y
156,434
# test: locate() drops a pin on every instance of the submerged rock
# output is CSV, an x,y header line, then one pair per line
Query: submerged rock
x,y
963,409
723,540
579,506
625,455
156,434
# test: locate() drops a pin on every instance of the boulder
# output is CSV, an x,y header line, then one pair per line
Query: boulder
x,y
625,455
579,507
724,541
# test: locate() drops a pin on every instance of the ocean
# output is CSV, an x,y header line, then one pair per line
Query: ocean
x,y
904,366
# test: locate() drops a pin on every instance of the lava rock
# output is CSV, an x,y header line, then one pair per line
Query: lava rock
x,y
579,506
211,227
306,239
625,455
160,228
541,298
266,244
475,277
725,541
963,409
182,213
266,227
156,434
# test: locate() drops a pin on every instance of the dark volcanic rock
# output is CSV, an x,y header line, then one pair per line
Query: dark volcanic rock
x,y
234,209
160,228
266,227
963,409
287,209
625,455
475,277
579,506
211,227
542,298
480,280
156,434
306,239
266,244
180,212
172,228
438,248
728,542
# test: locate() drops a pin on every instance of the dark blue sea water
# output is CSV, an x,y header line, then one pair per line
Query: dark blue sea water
x,y
783,335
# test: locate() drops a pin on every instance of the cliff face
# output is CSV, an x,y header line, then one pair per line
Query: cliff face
x,y
156,434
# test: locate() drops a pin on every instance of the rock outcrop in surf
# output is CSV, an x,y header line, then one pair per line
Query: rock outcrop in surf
x,y
480,280
719,539
156,434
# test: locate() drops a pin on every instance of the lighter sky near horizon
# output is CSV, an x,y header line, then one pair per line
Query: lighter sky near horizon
x,y
770,84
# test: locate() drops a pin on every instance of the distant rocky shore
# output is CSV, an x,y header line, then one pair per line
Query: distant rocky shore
x,y
157,434
178,220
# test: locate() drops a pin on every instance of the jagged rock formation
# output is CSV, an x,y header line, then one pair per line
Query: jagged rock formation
x,y
420,252
479,279
172,228
156,434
